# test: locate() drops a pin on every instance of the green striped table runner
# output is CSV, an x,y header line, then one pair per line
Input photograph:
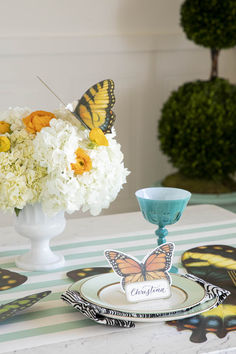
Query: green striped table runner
x,y
51,320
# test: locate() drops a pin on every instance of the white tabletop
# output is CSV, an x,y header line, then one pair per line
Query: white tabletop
x,y
124,223
145,338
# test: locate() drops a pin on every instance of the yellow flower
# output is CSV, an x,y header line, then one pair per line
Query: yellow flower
x,y
37,120
4,127
5,144
83,162
98,137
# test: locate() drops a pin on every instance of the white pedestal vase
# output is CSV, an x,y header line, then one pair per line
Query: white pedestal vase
x,y
39,228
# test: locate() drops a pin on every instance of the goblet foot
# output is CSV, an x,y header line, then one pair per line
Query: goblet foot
x,y
173,269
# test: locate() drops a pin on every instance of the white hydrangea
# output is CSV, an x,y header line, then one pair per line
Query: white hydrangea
x,y
20,174
38,167
14,116
55,148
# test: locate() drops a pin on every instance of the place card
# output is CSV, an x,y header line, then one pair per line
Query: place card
x,y
146,280
148,290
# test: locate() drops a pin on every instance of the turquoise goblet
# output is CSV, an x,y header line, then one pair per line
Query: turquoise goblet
x,y
162,206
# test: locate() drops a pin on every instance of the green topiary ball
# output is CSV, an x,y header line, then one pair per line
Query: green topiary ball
x,y
210,23
197,129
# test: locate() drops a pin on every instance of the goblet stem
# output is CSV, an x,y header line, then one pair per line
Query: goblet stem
x,y
161,233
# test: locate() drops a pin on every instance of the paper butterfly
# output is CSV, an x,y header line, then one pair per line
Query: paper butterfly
x,y
94,108
211,263
10,279
13,308
78,274
153,267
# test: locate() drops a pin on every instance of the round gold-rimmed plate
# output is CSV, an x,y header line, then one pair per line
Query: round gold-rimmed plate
x,y
196,310
104,290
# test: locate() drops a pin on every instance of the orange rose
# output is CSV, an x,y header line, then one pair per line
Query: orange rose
x,y
4,127
83,162
96,135
37,120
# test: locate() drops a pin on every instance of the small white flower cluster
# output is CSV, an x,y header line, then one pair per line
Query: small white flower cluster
x,y
37,168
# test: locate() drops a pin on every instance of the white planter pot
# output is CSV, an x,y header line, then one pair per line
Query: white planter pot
x,y
39,228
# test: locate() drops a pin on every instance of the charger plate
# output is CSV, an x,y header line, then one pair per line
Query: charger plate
x,y
104,290
196,310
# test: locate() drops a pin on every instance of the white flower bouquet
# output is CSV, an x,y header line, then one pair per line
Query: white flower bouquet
x,y
52,159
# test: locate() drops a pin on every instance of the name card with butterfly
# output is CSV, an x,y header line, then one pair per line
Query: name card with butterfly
x,y
146,280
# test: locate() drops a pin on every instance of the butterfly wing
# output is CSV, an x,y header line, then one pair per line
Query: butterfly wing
x,y
158,262
81,273
94,109
128,268
10,279
13,308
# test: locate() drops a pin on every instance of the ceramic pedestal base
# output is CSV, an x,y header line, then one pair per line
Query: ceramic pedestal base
x,y
39,228
27,262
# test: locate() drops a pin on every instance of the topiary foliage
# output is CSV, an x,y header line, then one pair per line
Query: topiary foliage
x,y
197,129
210,23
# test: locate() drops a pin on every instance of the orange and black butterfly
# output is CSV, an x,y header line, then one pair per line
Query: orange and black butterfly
x,y
94,109
153,267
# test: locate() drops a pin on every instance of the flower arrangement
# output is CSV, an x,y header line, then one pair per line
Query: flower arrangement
x,y
52,159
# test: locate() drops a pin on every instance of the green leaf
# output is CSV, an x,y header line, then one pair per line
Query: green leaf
x,y
17,211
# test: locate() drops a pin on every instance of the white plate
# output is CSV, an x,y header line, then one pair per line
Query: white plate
x,y
104,290
196,310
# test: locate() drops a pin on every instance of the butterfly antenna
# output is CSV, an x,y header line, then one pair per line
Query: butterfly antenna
x,y
44,83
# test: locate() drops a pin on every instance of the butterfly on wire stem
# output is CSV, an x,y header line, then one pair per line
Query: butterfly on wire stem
x,y
94,109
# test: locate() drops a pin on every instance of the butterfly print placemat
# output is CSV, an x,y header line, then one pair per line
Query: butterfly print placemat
x,y
211,263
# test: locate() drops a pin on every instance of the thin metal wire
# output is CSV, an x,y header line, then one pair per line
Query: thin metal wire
x,y
44,83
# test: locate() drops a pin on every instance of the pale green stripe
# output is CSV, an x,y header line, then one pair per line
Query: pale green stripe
x,y
122,239
205,239
141,237
60,282
51,297
77,256
85,244
179,265
124,249
50,283
40,285
46,330
56,296
40,314
101,263
67,282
